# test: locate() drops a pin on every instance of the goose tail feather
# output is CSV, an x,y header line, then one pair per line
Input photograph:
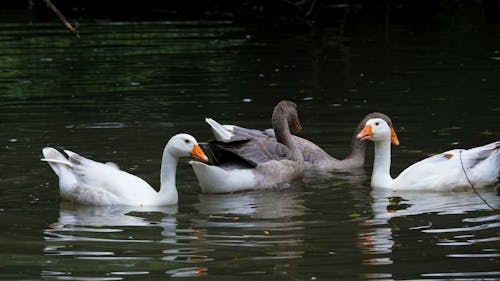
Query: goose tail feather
x,y
56,160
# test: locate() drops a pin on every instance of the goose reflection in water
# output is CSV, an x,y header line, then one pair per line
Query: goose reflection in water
x,y
258,204
104,239
268,222
429,214
114,215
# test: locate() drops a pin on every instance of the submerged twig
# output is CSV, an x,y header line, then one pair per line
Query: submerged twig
x,y
62,18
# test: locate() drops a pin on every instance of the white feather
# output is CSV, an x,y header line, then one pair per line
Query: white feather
x,y
221,132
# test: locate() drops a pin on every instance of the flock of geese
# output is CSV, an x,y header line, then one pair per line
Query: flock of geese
x,y
248,159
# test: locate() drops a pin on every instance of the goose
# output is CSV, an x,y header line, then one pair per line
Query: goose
x,y
452,170
87,182
315,158
248,163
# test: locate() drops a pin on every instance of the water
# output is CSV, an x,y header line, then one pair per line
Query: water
x,y
118,93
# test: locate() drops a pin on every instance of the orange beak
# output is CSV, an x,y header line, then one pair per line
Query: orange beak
x,y
296,126
198,153
365,133
394,137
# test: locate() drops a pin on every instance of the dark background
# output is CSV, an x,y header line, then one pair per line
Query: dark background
x,y
318,12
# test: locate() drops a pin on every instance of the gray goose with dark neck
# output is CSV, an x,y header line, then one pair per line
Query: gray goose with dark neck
x,y
315,158
249,148
247,159
358,148
285,116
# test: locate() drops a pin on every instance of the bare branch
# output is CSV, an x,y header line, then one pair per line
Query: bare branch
x,y
296,4
311,8
62,18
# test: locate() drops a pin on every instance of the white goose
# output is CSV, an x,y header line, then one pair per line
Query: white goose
x,y
88,182
245,163
449,171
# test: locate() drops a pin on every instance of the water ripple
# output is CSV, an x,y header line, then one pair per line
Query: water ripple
x,y
464,229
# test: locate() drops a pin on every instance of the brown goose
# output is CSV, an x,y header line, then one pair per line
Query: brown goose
x,y
252,160
315,158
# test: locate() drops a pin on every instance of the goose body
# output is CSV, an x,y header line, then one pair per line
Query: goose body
x,y
251,160
315,158
88,182
448,171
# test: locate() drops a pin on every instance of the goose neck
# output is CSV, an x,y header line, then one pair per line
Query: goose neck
x,y
167,175
381,176
358,149
283,135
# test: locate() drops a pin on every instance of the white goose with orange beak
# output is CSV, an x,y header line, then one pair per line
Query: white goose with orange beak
x,y
453,170
87,182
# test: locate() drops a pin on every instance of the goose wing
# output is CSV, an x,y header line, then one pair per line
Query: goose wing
x,y
93,174
250,152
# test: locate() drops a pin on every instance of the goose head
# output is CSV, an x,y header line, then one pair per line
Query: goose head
x,y
184,145
378,130
286,110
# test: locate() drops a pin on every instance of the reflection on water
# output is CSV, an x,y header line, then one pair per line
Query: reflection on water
x,y
108,215
101,236
439,220
261,219
155,239
258,205
117,234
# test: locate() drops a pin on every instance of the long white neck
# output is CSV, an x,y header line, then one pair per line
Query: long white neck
x,y
168,190
381,176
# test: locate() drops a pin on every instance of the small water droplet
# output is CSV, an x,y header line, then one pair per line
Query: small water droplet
x,y
247,100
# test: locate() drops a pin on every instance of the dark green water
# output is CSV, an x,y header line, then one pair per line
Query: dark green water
x,y
118,93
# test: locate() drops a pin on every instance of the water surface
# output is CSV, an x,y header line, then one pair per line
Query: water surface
x,y
118,93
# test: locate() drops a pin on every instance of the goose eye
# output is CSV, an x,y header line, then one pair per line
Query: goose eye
x,y
187,141
376,123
